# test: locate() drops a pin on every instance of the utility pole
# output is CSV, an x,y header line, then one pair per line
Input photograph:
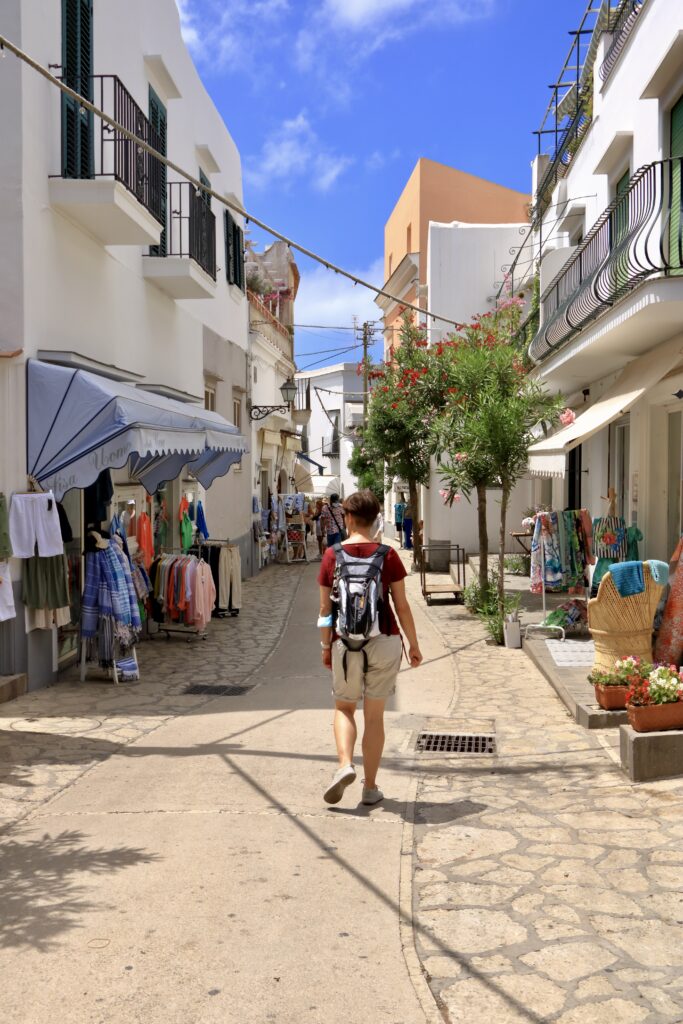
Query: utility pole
x,y
366,381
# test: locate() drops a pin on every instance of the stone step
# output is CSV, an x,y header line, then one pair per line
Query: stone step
x,y
12,686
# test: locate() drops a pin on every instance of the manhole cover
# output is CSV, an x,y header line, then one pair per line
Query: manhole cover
x,y
455,743
217,691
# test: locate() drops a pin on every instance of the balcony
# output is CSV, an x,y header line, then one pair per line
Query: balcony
x,y
570,139
638,237
108,185
267,324
622,21
301,413
187,269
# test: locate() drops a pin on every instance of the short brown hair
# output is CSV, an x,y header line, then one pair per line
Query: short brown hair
x,y
363,506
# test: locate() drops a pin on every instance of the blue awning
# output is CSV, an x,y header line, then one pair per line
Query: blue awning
x,y
321,469
80,423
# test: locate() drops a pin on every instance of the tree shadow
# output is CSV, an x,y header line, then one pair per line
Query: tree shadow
x,y
40,895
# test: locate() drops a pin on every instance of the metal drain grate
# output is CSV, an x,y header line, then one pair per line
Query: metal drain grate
x,y
217,691
455,743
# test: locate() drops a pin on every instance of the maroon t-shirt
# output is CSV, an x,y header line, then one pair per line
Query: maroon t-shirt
x,y
392,571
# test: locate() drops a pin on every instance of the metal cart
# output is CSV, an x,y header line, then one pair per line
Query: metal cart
x,y
446,584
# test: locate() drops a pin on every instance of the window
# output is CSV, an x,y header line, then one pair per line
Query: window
x,y
409,238
255,374
391,263
77,68
237,412
157,184
206,197
234,252
209,398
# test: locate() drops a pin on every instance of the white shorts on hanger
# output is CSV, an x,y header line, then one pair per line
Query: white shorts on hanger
x,y
7,610
33,519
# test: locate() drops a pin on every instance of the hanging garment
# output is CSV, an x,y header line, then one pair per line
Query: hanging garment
x,y
183,508
160,527
5,542
628,578
609,536
34,520
546,533
118,529
202,528
97,499
64,524
46,618
117,547
144,538
235,578
633,535
205,596
45,583
7,609
186,531
669,641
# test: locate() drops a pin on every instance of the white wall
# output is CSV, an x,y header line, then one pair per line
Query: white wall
x,y
464,264
343,380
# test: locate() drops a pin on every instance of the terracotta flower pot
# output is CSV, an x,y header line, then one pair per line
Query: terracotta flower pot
x,y
611,698
656,717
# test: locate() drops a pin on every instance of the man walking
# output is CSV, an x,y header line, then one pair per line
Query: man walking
x,y
361,641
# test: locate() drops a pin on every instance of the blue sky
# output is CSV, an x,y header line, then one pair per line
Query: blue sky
x,y
331,103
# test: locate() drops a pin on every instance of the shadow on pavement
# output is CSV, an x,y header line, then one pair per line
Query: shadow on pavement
x,y
39,896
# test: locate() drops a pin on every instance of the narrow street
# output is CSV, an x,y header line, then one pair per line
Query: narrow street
x,y
168,857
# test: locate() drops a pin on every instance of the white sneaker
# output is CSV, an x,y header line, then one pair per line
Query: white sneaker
x,y
372,796
342,778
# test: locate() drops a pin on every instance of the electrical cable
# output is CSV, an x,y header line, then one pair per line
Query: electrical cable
x,y
85,104
310,366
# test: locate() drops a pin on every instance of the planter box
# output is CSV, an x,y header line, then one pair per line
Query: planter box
x,y
656,717
611,698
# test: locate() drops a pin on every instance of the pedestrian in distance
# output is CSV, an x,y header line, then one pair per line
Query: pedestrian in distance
x,y
333,521
361,642
318,525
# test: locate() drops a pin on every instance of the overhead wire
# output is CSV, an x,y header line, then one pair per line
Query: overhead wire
x,y
201,187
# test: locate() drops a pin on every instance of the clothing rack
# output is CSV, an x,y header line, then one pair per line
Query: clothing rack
x,y
230,608
170,629
542,626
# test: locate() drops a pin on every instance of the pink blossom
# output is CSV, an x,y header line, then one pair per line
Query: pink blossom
x,y
444,495
460,456
457,497
567,417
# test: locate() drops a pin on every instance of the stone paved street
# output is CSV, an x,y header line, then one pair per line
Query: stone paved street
x,y
167,857
547,886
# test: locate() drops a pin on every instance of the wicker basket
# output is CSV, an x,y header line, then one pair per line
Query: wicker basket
x,y
622,626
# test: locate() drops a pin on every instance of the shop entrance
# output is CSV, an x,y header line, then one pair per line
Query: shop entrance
x,y
674,474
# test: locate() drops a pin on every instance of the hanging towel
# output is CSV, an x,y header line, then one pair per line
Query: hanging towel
x,y
633,535
5,543
628,578
202,528
659,571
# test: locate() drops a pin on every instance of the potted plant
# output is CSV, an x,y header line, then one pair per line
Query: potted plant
x,y
611,688
656,702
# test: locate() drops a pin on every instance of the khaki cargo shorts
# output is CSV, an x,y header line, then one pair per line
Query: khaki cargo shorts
x,y
378,681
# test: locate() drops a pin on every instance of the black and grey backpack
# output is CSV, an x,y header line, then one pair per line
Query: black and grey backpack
x,y
358,595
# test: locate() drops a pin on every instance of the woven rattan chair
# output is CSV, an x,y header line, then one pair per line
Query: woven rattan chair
x,y
622,626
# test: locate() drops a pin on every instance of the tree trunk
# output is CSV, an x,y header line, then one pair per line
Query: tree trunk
x,y
504,501
414,492
483,541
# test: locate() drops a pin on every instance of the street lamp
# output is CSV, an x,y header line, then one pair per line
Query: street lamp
x,y
287,390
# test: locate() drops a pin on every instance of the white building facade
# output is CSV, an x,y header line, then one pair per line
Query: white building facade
x,y
608,213
334,394
112,265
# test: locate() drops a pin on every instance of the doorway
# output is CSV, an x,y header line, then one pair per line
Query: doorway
x,y
673,481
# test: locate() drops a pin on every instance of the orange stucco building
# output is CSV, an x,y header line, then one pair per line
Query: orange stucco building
x,y
435,192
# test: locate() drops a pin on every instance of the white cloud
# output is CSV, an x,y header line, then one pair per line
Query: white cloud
x,y
328,298
379,158
294,151
188,27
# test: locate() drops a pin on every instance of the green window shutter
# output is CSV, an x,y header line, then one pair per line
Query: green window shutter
x,y
676,220
77,70
206,198
239,258
159,172
229,248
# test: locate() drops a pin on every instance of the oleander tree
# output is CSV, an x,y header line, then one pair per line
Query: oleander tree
x,y
485,425
367,468
397,432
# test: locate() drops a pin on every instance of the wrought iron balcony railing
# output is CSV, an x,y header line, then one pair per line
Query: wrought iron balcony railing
x,y
570,139
92,149
621,23
639,236
191,228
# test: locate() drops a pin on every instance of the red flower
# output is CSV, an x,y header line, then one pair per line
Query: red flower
x,y
394,405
